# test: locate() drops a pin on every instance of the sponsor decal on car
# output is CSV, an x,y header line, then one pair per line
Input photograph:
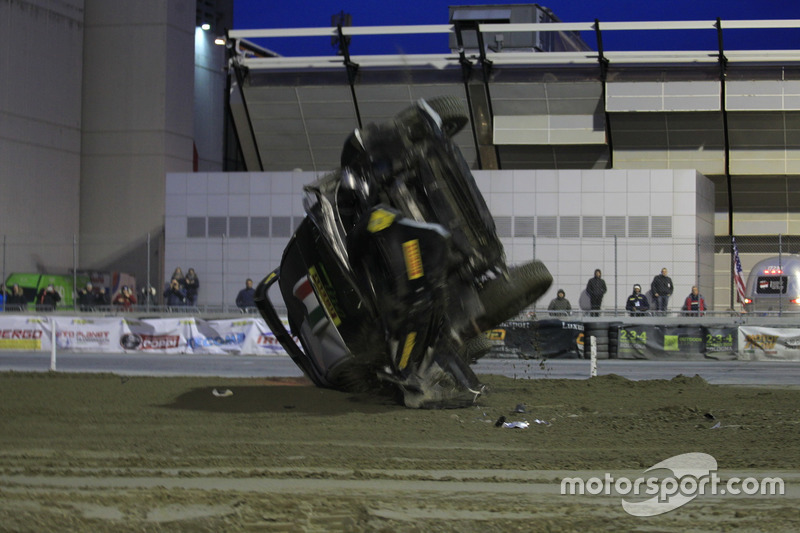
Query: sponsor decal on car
x,y
408,347
379,220
413,259
324,297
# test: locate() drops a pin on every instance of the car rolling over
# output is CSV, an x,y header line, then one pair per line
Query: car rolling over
x,y
397,270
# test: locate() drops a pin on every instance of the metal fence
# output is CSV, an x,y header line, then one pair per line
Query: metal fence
x,y
624,261
705,263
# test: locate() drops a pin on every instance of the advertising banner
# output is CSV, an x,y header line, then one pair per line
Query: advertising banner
x,y
761,344
671,342
78,334
90,334
160,335
258,339
538,339
25,333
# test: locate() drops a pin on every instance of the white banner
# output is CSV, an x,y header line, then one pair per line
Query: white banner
x,y
251,334
25,333
88,334
245,336
761,344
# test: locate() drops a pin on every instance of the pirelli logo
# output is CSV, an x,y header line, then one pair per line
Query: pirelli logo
x,y
408,346
413,259
323,296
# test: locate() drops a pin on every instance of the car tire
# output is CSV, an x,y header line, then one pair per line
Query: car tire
x,y
452,111
475,348
504,297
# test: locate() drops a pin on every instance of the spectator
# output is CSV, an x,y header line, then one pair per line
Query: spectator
x,y
16,300
126,299
596,288
560,306
102,298
662,290
148,297
177,274
637,302
694,304
246,297
47,299
191,283
90,299
86,298
175,295
3,296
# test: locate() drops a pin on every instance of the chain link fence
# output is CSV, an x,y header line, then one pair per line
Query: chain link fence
x,y
690,261
706,263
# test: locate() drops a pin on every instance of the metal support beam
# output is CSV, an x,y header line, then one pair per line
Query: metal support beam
x,y
243,126
352,68
486,70
723,73
603,61
466,76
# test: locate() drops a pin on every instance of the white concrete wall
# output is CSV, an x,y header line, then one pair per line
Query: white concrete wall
x,y
521,202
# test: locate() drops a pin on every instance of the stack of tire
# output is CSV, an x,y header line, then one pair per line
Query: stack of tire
x,y
613,339
606,336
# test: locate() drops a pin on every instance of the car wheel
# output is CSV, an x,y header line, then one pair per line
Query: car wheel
x,y
504,297
452,111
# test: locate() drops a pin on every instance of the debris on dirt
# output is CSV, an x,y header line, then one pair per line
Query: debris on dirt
x,y
520,408
516,425
222,394
500,422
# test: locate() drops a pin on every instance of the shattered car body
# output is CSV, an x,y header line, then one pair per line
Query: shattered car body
x,y
397,269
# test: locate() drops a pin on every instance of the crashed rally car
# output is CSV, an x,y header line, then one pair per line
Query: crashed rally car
x,y
396,270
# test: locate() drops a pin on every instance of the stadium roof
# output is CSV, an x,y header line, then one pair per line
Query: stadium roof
x,y
722,112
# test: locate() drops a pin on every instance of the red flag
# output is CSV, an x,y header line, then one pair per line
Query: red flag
x,y
737,272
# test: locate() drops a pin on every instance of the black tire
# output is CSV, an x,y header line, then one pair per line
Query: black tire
x,y
503,298
598,330
452,111
475,348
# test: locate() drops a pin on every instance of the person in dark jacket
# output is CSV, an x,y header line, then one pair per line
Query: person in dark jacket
x,y
596,288
191,283
175,295
661,288
92,300
637,305
560,306
47,299
16,300
147,297
246,297
694,305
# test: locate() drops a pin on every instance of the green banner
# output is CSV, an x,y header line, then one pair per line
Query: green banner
x,y
679,342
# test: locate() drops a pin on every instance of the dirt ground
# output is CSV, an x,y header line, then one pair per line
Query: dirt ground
x,y
109,453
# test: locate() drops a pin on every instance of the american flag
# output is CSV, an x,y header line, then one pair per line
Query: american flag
x,y
737,272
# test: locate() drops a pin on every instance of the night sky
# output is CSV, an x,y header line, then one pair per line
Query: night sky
x,y
265,14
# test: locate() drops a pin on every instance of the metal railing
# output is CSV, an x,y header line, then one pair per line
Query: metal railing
x,y
690,261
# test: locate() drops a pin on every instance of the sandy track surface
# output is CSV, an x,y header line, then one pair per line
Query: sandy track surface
x,y
105,453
